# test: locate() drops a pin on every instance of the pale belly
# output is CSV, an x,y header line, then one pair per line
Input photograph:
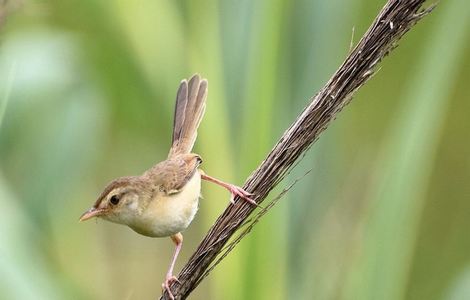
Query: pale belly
x,y
171,214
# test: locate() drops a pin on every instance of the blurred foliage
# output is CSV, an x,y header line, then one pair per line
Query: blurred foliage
x,y
87,95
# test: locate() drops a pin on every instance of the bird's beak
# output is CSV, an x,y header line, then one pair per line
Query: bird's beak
x,y
92,212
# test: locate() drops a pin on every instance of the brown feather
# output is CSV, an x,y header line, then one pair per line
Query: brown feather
x,y
171,175
116,183
189,110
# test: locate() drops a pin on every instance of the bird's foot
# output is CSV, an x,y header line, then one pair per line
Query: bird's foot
x,y
238,191
166,285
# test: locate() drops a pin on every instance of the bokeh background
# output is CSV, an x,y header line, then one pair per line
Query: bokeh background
x,y
86,95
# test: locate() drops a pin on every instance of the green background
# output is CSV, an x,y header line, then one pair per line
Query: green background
x,y
86,95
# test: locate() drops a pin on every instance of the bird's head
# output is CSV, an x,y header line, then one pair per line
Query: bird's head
x,y
120,202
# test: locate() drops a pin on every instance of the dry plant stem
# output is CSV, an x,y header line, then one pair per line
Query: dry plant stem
x,y
393,21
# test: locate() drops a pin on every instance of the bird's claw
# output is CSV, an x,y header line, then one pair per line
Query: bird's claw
x,y
238,191
166,285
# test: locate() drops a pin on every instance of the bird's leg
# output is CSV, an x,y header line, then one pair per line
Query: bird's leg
x,y
233,189
170,278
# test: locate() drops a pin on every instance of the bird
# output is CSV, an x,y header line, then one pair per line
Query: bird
x,y
163,201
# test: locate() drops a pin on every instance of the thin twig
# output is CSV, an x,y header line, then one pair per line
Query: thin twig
x,y
393,21
351,43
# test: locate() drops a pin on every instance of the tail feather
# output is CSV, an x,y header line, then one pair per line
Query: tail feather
x,y
189,110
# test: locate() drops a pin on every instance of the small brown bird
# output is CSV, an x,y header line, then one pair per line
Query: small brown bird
x,y
163,200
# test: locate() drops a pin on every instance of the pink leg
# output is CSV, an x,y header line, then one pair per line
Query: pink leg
x,y
233,189
170,278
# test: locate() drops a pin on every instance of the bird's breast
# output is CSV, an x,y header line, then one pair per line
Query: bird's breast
x,y
169,214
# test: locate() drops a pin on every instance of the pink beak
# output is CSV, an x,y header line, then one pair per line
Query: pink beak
x,y
92,212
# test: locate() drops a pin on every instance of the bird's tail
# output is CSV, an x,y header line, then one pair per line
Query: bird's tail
x,y
189,110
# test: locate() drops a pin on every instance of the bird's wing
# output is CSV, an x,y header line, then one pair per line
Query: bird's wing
x,y
172,175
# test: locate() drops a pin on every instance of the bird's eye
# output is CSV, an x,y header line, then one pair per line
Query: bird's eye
x,y
114,200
